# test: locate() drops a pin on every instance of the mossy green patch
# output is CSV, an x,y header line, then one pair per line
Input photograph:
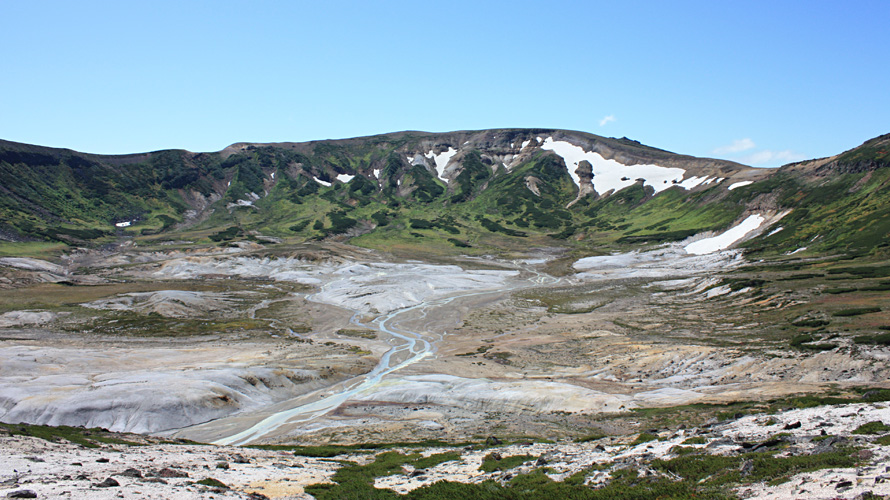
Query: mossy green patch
x,y
89,438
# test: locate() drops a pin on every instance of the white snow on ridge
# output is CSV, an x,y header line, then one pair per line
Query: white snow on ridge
x,y
123,224
344,178
377,173
610,174
739,184
727,238
323,183
694,181
524,144
442,160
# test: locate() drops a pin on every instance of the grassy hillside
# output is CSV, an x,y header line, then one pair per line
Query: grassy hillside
x,y
384,192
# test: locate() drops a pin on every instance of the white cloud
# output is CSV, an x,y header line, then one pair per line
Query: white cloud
x,y
737,146
761,158
607,119
772,158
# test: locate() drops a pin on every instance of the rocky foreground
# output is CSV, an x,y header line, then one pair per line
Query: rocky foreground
x,y
838,451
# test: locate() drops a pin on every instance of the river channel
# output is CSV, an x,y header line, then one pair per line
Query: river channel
x,y
411,347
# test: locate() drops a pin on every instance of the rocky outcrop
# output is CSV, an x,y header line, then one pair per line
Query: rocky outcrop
x,y
585,183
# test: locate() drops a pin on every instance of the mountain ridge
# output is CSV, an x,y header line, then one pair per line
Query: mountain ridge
x,y
550,185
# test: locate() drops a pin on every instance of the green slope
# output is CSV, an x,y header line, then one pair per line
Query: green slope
x,y
836,204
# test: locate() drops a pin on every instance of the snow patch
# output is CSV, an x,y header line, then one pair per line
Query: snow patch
x,y
323,183
774,231
694,181
442,160
123,224
525,143
739,184
610,174
725,239
376,173
273,176
344,178
801,249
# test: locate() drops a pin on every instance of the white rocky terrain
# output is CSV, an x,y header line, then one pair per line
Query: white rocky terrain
x,y
421,349
237,348
66,470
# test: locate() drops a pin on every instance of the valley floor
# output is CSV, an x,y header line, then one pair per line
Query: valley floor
x,y
340,345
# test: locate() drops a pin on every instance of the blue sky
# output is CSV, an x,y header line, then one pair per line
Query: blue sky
x,y
764,83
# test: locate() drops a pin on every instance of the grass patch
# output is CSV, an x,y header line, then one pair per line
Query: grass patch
x,y
883,440
494,461
856,311
876,427
357,481
721,470
810,323
882,339
591,437
37,249
89,438
363,334
644,437
155,325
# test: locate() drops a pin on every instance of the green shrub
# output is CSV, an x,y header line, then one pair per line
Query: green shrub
x,y
882,339
876,427
226,234
459,243
644,437
857,311
811,323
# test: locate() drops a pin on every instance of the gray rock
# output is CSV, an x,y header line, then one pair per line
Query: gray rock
x,y
167,472
131,472
108,483
21,494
